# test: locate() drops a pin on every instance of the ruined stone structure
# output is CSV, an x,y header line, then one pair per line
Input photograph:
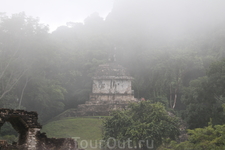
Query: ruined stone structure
x,y
30,137
111,82
111,90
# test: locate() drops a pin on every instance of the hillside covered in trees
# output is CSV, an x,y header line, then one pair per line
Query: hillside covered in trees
x,y
175,53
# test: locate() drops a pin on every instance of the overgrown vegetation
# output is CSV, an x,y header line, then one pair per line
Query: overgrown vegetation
x,y
51,72
207,138
146,124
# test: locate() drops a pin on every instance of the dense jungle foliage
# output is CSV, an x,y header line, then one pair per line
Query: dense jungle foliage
x,y
51,72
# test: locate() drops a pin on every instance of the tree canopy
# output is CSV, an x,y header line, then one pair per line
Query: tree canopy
x,y
146,124
51,72
204,97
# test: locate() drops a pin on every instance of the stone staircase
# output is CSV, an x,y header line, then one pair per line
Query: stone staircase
x,y
102,107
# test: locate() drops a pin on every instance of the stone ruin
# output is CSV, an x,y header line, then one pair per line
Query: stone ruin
x,y
30,137
111,90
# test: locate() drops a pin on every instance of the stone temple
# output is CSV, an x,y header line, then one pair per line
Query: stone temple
x,y
111,82
111,90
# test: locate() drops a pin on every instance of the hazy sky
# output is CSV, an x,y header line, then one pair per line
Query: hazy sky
x,y
57,12
174,12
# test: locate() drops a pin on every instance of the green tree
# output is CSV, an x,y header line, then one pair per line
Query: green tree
x,y
20,51
144,123
205,96
28,64
207,138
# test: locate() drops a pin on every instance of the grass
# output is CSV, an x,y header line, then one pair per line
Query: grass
x,y
86,128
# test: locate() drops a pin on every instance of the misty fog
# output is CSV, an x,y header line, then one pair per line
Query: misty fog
x,y
174,50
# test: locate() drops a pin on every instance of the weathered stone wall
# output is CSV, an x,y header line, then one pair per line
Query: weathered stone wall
x,y
23,122
44,143
112,86
31,142
30,138
110,97
27,119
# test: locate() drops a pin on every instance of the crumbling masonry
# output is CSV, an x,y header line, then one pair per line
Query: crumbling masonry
x,y
30,137
111,90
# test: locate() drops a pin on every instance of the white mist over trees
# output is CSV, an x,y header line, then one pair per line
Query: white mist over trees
x,y
164,45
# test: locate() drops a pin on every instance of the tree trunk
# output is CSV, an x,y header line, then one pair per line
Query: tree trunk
x,y
170,96
175,97
21,96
